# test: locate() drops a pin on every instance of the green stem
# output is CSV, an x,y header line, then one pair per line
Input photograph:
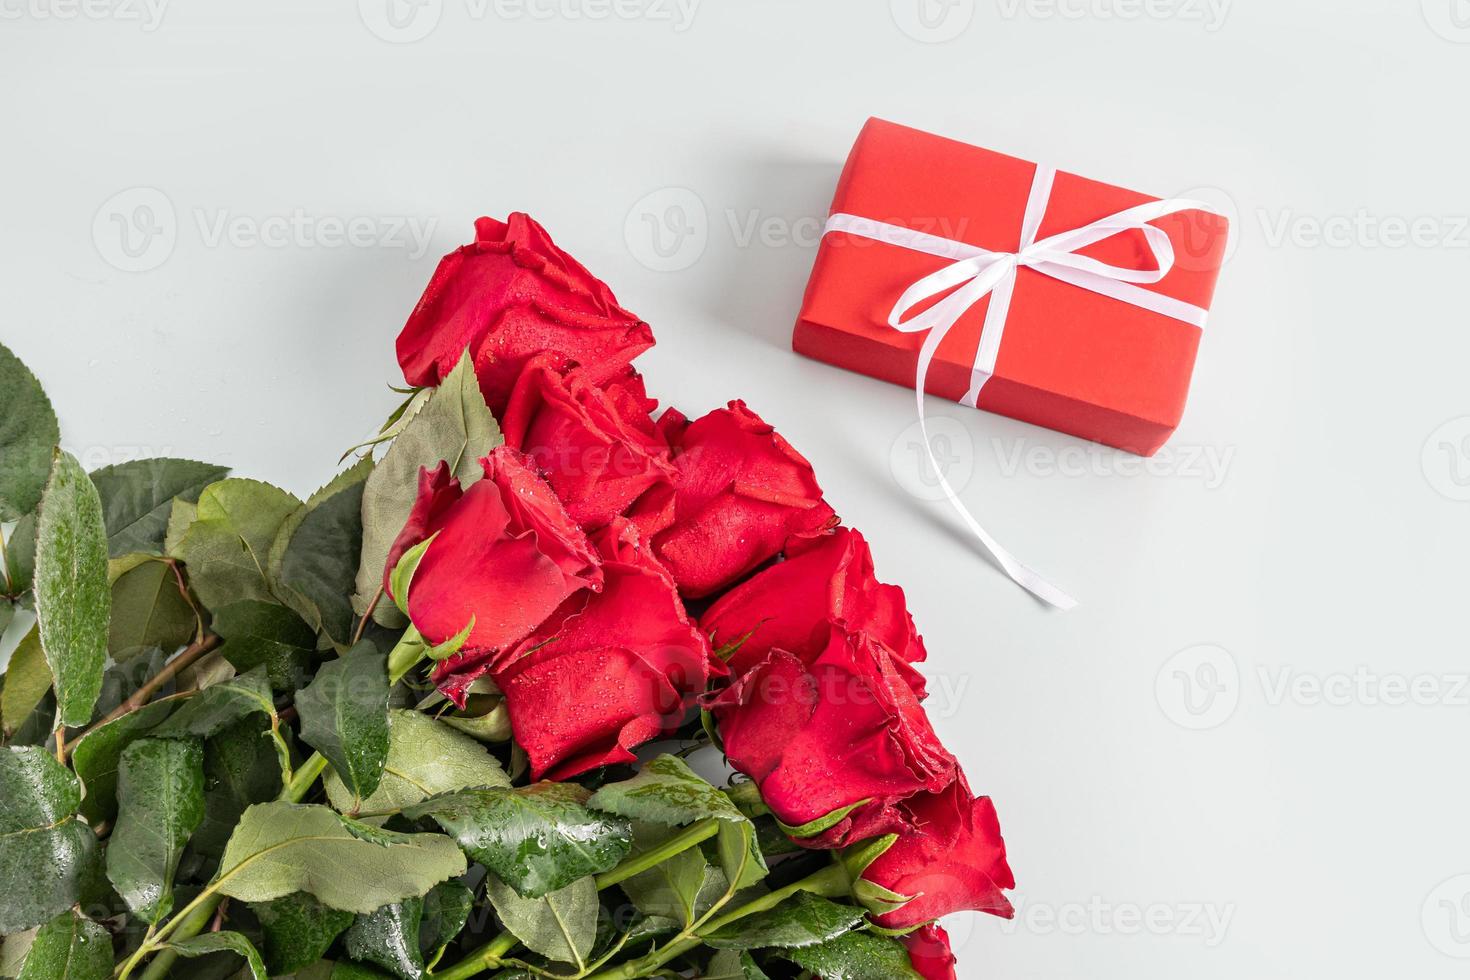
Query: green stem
x,y
639,863
409,652
190,925
305,777
488,957
830,882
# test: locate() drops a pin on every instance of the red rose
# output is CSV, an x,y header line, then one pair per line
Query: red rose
x,y
609,671
740,493
596,445
825,580
508,295
846,731
930,953
949,855
506,555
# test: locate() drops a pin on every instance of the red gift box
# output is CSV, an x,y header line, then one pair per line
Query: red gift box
x,y
1070,358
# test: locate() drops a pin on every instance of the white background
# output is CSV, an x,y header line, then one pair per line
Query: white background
x,y
1269,806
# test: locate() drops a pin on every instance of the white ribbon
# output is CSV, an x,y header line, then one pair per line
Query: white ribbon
x,y
977,272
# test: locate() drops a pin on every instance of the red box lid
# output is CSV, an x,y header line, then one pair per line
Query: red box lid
x,y
1071,359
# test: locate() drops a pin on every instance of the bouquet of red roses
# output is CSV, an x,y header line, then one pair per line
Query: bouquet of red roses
x,y
407,726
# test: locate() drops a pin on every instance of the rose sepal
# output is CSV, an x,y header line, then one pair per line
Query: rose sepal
x,y
819,826
402,577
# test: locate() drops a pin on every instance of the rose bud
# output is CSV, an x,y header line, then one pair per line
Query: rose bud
x,y
948,857
930,953
507,295
595,444
741,492
503,555
609,670
825,580
835,745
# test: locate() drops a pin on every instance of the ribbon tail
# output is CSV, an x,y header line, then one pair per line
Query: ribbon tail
x,y
988,353
1024,576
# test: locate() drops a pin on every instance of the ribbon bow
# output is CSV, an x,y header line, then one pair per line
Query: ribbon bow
x,y
976,273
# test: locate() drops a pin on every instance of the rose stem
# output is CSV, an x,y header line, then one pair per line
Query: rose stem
x,y
830,882
141,696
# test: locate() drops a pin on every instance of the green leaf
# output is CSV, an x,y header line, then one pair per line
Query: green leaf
x,y
561,925
318,555
257,633
740,853
45,853
160,796
220,705
28,433
98,754
73,601
537,839
666,791
20,554
628,929
856,956
279,848
40,726
344,716
27,679
241,767
425,757
802,920
682,888
223,942
454,425
733,964
447,908
69,947
298,930
148,610
137,497
389,937
181,515
354,475
227,547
